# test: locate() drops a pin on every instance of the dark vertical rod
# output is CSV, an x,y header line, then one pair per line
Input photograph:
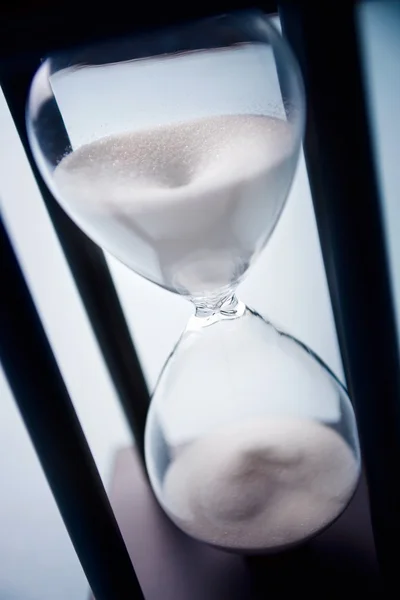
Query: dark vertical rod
x,y
349,216
43,26
56,434
90,271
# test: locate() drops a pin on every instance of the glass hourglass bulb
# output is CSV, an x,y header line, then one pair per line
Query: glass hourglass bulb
x,y
175,152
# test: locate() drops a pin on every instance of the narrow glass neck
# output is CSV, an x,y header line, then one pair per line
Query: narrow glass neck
x,y
211,310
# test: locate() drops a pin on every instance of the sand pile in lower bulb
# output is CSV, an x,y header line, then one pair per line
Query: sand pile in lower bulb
x,y
261,485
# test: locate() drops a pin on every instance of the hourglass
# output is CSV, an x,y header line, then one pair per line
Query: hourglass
x,y
175,152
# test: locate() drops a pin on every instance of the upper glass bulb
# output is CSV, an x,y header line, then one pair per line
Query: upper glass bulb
x,y
174,152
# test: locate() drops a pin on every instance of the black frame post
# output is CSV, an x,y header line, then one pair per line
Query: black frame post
x,y
349,217
57,436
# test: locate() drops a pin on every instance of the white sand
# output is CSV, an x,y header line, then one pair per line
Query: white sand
x,y
260,485
185,205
